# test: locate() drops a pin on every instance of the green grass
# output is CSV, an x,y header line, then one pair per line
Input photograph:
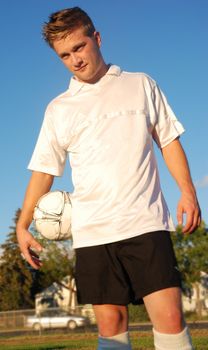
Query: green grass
x,y
87,341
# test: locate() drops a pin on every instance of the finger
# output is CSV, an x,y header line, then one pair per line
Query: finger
x,y
31,259
35,261
33,252
199,217
36,258
199,221
36,246
180,216
196,221
189,222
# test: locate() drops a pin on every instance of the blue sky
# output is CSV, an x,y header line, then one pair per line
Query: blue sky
x,y
166,39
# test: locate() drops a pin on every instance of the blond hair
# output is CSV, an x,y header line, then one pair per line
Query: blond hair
x,y
63,22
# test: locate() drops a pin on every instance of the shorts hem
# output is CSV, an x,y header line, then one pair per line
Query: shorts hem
x,y
160,287
135,301
103,301
130,274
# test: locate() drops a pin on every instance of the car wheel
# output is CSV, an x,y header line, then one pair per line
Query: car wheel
x,y
72,325
37,326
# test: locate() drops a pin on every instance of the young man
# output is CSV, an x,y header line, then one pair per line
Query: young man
x,y
106,121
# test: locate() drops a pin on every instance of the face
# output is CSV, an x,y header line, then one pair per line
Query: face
x,y
81,55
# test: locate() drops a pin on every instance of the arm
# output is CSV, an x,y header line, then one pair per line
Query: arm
x,y
177,164
39,184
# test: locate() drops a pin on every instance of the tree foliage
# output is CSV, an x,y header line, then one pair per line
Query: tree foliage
x,y
19,283
16,280
58,262
191,253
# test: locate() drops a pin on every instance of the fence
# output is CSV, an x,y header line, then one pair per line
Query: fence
x,y
24,321
27,320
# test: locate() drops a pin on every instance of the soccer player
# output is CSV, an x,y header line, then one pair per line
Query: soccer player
x,y
107,122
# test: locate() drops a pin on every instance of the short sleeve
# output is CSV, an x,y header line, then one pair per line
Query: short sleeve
x,y
48,156
166,126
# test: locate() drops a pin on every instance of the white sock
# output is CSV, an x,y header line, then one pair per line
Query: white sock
x,y
119,341
179,341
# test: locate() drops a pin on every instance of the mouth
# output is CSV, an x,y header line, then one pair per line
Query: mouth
x,y
81,68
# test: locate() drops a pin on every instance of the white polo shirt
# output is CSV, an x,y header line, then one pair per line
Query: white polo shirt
x,y
108,130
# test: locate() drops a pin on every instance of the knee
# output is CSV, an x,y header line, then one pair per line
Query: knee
x,y
172,321
112,322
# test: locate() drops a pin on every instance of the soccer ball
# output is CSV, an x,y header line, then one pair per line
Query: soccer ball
x,y
52,215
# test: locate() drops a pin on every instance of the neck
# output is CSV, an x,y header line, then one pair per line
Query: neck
x,y
100,73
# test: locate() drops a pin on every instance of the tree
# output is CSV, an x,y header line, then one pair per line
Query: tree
x,y
58,262
19,283
57,269
16,280
191,253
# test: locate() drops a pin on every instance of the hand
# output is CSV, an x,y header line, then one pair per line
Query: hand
x,y
29,248
189,206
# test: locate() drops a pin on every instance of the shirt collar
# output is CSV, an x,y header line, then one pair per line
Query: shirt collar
x,y
75,86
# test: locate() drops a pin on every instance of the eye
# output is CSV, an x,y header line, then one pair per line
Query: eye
x,y
64,56
79,47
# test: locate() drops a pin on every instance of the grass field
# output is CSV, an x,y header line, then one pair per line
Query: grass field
x,y
88,341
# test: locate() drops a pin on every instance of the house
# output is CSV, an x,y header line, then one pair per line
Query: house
x,y
63,296
197,301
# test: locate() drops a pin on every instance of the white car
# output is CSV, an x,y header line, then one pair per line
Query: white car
x,y
55,319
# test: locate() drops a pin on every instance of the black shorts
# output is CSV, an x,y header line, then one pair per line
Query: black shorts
x,y
124,272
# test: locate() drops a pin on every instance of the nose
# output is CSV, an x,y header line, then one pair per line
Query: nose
x,y
75,59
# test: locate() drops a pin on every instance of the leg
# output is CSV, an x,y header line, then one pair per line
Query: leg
x,y
111,319
108,286
164,308
112,323
165,311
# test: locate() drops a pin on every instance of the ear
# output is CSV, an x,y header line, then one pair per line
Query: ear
x,y
97,38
